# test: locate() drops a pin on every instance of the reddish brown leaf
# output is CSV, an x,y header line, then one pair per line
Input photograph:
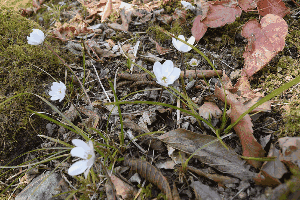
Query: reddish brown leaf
x,y
264,179
202,8
265,40
215,154
209,110
107,10
151,174
219,15
251,148
199,28
159,48
247,4
123,189
276,7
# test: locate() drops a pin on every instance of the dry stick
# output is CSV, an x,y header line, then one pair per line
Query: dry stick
x,y
72,73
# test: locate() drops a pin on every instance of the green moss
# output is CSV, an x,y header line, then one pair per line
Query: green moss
x,y
288,102
18,74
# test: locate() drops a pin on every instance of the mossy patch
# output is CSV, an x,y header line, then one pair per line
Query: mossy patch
x,y
18,74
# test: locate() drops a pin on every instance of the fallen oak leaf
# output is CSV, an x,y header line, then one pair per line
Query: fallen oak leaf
x,y
251,148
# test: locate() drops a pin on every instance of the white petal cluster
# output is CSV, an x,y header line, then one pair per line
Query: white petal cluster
x,y
194,62
166,73
58,91
86,152
36,37
187,5
180,46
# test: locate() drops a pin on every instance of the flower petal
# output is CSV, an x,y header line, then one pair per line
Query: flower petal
x,y
167,68
79,152
175,43
78,167
191,41
86,172
81,143
157,69
174,75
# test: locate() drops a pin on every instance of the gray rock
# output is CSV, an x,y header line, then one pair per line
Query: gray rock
x,y
44,187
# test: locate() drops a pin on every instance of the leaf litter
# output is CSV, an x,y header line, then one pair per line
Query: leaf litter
x,y
265,40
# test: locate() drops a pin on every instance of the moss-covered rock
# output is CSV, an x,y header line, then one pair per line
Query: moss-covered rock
x,y
18,74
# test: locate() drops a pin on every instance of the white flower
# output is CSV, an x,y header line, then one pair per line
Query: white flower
x,y
180,46
84,151
58,91
36,37
187,5
166,73
194,62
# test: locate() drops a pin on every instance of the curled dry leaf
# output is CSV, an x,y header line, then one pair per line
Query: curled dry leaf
x,y
265,40
251,148
276,7
204,192
151,174
215,154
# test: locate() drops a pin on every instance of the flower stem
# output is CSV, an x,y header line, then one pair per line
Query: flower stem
x,y
72,73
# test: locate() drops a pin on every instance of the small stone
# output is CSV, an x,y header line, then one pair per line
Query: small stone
x,y
242,195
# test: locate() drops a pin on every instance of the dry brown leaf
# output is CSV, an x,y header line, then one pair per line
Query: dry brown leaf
x,y
290,149
151,174
175,192
251,148
247,4
209,109
264,179
123,189
274,168
204,192
265,40
199,28
161,50
221,14
276,7
215,177
215,154
107,10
